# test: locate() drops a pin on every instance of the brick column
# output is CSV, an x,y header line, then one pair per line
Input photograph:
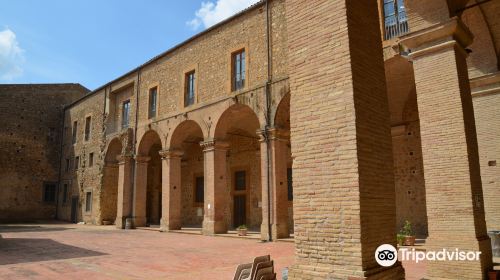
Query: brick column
x,y
216,188
171,190
344,195
279,188
140,190
124,200
450,152
486,99
265,161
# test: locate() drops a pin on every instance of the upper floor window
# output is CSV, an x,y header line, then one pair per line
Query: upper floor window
x,y
190,89
395,19
238,70
153,97
125,113
75,128
88,121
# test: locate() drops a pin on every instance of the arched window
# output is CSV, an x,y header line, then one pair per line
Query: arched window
x,y
395,19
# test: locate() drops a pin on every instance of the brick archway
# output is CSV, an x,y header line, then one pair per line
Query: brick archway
x,y
148,181
185,142
109,193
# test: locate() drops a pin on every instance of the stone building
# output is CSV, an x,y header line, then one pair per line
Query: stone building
x,y
383,111
30,139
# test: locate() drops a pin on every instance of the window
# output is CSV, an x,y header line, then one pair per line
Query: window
x,y
77,163
125,114
200,190
240,180
238,70
189,91
87,127
49,193
395,19
68,165
65,193
75,128
289,184
153,97
91,159
88,201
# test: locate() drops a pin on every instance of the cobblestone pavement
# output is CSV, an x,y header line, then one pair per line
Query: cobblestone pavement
x,y
63,251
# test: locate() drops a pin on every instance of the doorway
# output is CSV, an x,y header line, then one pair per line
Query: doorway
x,y
240,198
74,209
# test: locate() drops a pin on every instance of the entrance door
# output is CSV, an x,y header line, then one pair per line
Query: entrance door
x,y
240,202
74,208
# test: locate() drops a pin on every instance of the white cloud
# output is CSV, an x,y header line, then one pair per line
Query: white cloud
x,y
11,56
212,12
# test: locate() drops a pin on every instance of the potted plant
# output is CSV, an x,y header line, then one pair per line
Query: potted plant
x,y
409,237
242,230
400,238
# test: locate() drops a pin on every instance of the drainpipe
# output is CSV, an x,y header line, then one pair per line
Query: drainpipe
x,y
60,160
268,122
134,169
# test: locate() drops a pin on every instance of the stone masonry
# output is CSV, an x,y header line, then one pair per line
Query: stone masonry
x,y
339,134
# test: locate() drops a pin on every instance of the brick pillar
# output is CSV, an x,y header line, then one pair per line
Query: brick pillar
x,y
486,99
344,195
264,170
279,186
171,190
450,152
216,188
140,191
124,200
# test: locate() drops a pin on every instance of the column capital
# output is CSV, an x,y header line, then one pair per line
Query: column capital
x,y
142,159
274,134
485,85
123,158
441,36
214,144
171,153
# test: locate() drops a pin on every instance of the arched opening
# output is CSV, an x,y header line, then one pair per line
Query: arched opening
x,y
186,138
406,145
283,160
149,181
238,127
109,192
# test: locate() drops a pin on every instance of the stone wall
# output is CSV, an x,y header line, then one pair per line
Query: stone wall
x,y
86,178
30,137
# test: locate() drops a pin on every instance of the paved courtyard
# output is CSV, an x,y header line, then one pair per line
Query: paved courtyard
x,y
63,251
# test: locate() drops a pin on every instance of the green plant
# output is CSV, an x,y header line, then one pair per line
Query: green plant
x,y
407,229
242,227
400,238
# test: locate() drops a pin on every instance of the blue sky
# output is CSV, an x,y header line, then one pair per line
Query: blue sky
x,y
94,41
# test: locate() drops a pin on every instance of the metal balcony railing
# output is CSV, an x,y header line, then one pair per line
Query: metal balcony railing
x,y
396,26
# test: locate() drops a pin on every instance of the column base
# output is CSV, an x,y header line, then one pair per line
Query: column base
x,y
214,227
166,226
264,231
318,271
120,222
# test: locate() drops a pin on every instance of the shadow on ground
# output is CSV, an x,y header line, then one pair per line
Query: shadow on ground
x,y
28,228
24,250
